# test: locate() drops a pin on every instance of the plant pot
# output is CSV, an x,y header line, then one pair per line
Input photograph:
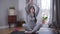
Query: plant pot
x,y
44,21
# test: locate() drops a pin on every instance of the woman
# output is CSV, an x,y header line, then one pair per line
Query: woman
x,y
31,19
30,26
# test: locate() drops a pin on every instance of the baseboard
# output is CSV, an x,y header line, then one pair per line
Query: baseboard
x,y
4,27
7,26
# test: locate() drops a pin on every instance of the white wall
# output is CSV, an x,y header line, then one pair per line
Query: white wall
x,y
4,5
22,12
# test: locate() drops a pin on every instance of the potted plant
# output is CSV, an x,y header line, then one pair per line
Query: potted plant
x,y
44,19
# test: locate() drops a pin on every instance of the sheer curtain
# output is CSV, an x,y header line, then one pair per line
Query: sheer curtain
x,y
46,9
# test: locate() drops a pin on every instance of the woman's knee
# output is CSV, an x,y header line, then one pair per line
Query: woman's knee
x,y
24,25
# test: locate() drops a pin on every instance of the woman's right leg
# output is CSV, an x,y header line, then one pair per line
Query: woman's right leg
x,y
26,27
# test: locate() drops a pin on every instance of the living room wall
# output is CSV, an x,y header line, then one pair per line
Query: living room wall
x,y
4,6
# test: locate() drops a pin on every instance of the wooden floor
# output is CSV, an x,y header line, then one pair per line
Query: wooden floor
x,y
8,31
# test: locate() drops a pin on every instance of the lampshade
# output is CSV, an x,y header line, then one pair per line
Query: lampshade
x,y
12,11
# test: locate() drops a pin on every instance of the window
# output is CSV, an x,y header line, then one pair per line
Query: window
x,y
45,7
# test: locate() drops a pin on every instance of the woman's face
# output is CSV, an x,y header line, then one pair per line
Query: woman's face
x,y
32,10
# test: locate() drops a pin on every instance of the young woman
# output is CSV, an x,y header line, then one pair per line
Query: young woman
x,y
31,20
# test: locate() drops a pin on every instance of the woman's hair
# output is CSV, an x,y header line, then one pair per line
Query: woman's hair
x,y
31,7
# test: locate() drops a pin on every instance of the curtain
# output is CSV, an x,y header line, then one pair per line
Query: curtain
x,y
56,13
51,11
